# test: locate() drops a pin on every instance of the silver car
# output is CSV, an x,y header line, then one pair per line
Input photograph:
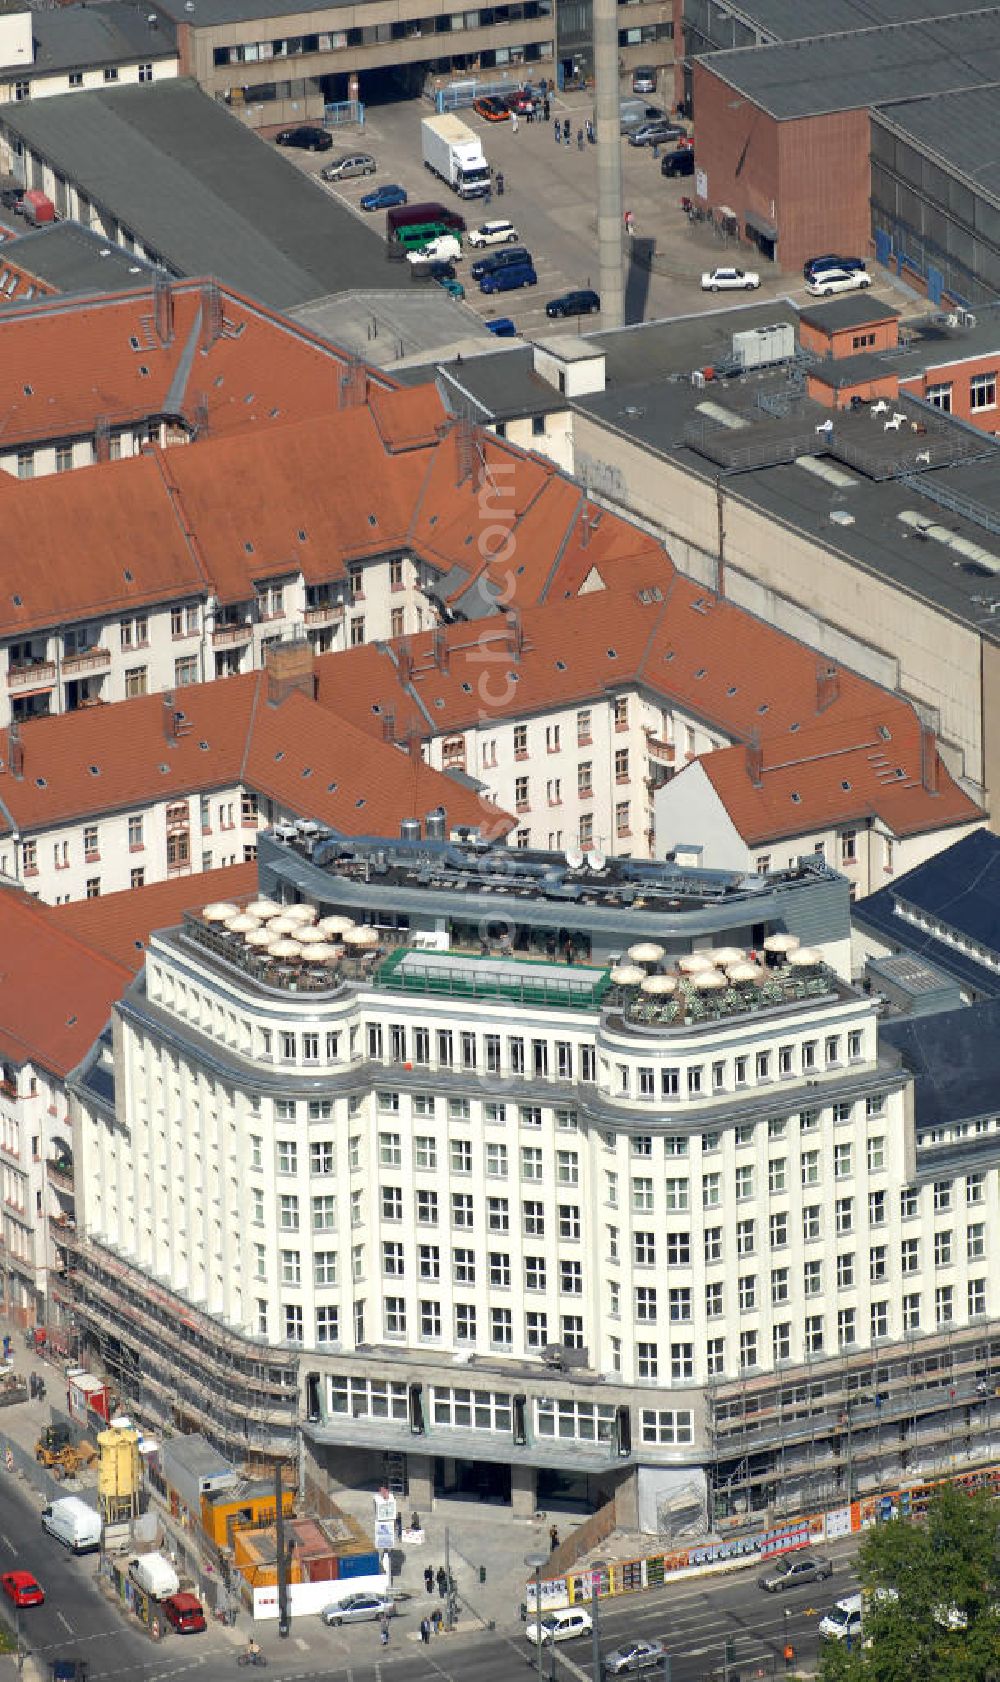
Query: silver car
x,y
351,163
358,1609
633,1656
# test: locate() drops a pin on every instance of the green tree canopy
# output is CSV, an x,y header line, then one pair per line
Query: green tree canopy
x,y
931,1598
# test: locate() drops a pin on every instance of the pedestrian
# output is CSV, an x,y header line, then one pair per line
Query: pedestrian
x,y
399,1527
414,1521
429,1578
513,122
656,150
546,107
579,140
553,1539
425,1631
629,223
442,1582
437,1620
566,131
590,131
384,1630
499,183
555,131
386,1564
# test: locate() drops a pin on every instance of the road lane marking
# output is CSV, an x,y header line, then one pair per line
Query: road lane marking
x,y
303,1644
8,1544
67,1626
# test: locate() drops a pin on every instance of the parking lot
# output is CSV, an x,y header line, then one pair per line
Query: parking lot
x,y
550,196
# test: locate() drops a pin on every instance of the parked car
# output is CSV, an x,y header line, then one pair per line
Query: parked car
x,y
730,280
494,233
449,283
558,1626
680,162
830,262
348,165
582,302
633,1656
523,100
655,134
499,260
22,1588
509,279
384,198
825,282
494,110
794,1570
11,196
503,327
184,1613
445,249
306,137
644,78
358,1609
843,1619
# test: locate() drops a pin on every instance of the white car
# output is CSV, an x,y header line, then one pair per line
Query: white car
x,y
564,1625
843,1621
828,281
494,233
445,249
730,280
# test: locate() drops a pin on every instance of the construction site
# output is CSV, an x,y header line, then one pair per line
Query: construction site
x,y
179,1366
835,1430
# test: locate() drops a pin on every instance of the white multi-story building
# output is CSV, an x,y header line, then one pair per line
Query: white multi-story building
x,y
622,1211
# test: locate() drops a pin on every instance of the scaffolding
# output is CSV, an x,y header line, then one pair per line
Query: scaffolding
x,y
178,1363
841,1428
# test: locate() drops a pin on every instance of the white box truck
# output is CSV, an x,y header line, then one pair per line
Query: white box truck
x,y
454,154
155,1575
73,1523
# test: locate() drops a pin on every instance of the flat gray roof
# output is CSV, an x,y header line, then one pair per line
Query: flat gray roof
x,y
790,20
959,131
200,190
76,259
857,309
865,67
209,14
491,386
660,414
415,320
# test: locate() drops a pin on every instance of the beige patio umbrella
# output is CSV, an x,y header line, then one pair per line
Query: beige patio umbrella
x,y
262,908
220,911
283,925
781,942
320,952
723,956
659,984
807,957
745,972
709,980
646,952
336,923
285,948
691,962
242,923
300,913
261,938
628,975
363,935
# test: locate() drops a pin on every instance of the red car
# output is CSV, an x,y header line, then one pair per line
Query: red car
x,y
22,1588
521,101
493,109
184,1613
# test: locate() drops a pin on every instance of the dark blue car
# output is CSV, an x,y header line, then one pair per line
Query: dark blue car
x,y
384,198
503,327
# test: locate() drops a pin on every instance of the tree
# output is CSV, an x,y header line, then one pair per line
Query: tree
x,y
931,1597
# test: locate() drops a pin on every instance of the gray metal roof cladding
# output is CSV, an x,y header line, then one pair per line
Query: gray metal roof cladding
x,y
875,66
955,1057
81,37
796,20
201,190
958,128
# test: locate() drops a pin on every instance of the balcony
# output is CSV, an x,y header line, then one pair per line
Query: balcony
x,y
33,674
87,660
60,1173
227,636
661,753
330,613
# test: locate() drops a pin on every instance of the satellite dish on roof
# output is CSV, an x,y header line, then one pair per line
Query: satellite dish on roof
x,y
574,858
597,861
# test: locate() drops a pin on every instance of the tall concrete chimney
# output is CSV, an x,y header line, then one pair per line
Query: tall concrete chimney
x,y
609,163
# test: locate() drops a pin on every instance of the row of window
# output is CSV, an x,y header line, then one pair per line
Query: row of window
x,y
330,40
22,89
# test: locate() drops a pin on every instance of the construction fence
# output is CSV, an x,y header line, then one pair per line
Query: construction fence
x,y
651,1571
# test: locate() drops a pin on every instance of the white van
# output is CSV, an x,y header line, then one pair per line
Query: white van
x,y
843,1620
155,1575
73,1523
559,1626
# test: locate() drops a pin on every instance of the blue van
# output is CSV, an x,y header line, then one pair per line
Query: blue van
x,y
509,278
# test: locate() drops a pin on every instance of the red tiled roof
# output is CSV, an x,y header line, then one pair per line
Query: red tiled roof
x,y
119,925
120,757
83,366
56,992
841,771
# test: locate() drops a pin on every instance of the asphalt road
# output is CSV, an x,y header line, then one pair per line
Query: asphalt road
x,y
693,1619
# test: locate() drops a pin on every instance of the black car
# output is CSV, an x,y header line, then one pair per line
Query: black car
x,y
306,138
583,302
816,264
678,163
499,260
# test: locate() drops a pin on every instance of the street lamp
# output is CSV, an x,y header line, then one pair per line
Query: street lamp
x,y
535,1563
